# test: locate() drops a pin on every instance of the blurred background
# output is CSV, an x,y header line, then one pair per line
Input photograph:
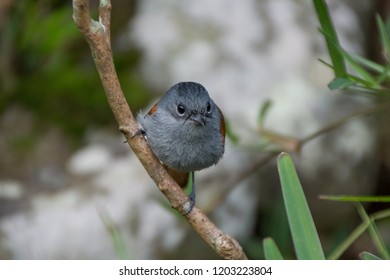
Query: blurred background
x,y
70,188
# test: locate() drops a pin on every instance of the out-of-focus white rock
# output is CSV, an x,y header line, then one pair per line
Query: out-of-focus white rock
x,y
68,225
11,189
89,160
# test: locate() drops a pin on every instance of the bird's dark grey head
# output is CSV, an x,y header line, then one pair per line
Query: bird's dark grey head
x,y
189,101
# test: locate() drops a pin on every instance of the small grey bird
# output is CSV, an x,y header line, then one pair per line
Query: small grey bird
x,y
186,131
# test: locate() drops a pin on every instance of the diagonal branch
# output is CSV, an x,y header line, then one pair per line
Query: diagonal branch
x,y
97,34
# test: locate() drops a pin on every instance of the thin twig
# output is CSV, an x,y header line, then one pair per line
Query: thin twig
x,y
97,34
344,120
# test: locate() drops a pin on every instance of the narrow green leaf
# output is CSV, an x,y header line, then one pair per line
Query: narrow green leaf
x,y
352,198
230,134
271,250
117,239
326,63
343,246
359,82
369,64
384,214
384,71
327,26
374,233
305,237
371,91
367,78
385,75
263,112
384,35
340,83
368,256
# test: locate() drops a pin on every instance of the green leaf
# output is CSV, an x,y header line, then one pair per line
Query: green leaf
x,y
271,250
328,28
263,112
343,246
384,35
384,71
305,237
368,63
374,233
230,133
358,231
368,256
367,78
326,63
116,236
340,83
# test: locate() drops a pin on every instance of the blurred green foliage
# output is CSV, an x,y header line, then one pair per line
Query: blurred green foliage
x,y
304,234
362,75
47,67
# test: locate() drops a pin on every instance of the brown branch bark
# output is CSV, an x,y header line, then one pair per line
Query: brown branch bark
x,y
97,34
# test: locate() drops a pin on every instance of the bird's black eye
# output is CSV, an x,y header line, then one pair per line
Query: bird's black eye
x,y
180,109
208,108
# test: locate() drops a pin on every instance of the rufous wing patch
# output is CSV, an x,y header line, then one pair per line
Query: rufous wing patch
x,y
222,126
153,109
181,178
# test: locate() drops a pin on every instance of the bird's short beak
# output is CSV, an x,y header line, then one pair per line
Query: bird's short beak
x,y
198,119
